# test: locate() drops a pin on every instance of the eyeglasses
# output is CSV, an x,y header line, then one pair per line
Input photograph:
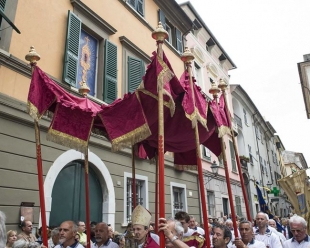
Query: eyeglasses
x,y
63,229
298,231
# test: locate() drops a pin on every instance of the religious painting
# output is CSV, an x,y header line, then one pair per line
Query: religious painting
x,y
87,63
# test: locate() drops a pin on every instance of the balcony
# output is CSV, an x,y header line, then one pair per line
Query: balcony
x,y
238,120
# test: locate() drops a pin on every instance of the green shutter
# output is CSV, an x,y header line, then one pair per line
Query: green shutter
x,y
72,49
2,4
178,36
110,72
162,18
135,73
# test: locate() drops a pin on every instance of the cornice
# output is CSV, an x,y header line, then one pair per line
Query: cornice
x,y
95,18
130,45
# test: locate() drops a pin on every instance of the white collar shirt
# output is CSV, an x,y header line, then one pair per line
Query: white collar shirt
x,y
292,243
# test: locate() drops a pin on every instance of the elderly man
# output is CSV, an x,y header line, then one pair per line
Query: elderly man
x,y
247,240
221,236
192,225
190,237
173,231
300,238
26,233
67,231
141,219
54,240
273,226
264,234
102,237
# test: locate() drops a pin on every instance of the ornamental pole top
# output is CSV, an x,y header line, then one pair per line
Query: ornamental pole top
x,y
160,34
32,56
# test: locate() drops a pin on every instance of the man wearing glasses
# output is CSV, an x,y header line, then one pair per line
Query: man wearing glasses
x,y
300,238
67,231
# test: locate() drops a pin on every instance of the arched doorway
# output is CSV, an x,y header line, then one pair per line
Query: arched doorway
x,y
68,195
102,172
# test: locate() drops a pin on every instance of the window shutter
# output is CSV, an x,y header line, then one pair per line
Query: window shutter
x,y
72,49
135,73
162,18
178,35
140,6
2,4
110,72
232,154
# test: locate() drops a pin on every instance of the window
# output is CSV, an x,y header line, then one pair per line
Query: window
x,y
233,157
257,131
245,117
175,38
138,5
211,203
265,167
225,206
88,52
141,194
198,76
238,205
250,154
2,7
178,197
206,153
262,136
134,62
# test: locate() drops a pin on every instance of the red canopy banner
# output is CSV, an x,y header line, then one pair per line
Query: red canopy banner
x,y
73,116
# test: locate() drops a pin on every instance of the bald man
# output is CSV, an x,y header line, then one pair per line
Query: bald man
x,y
67,232
102,237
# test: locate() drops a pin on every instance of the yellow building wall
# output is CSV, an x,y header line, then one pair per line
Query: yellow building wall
x,y
44,25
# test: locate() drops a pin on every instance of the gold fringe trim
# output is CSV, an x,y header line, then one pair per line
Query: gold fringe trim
x,y
33,111
222,130
196,117
67,140
181,167
131,138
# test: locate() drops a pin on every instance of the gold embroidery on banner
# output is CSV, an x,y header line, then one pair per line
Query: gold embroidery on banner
x,y
146,92
222,130
195,116
131,138
67,140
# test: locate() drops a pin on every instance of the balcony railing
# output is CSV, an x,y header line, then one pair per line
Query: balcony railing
x,y
238,121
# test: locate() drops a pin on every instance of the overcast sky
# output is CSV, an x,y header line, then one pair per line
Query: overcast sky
x,y
266,39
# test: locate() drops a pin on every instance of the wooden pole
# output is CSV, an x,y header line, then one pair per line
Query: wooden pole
x,y
187,57
156,196
160,34
133,183
223,87
84,90
33,57
214,91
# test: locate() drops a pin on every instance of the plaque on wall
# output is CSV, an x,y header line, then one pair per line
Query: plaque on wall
x,y
26,211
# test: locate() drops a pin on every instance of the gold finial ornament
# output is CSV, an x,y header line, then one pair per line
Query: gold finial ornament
x,y
214,90
187,56
222,85
160,34
32,56
84,89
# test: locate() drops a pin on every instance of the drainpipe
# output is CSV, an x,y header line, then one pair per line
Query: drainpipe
x,y
268,157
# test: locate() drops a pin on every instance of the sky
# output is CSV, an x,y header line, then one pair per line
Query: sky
x,y
266,39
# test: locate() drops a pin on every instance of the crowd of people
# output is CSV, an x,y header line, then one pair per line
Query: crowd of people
x,y
181,231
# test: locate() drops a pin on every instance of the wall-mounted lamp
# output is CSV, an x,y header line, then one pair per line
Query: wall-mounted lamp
x,y
215,169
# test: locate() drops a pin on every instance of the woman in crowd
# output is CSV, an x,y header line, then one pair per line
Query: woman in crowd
x,y
11,238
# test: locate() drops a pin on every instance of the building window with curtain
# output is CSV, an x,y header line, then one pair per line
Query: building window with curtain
x,y
238,205
178,202
211,203
233,157
139,196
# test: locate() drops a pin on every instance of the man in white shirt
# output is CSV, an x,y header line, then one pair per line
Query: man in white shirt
x,y
67,231
300,238
102,237
247,240
230,225
264,234
273,228
192,225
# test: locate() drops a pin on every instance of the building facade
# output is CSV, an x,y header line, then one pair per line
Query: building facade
x,y
119,44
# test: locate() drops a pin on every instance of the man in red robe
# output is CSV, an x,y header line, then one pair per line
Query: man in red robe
x,y
141,219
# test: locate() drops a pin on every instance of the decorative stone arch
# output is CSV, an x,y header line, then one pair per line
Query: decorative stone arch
x,y
108,205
